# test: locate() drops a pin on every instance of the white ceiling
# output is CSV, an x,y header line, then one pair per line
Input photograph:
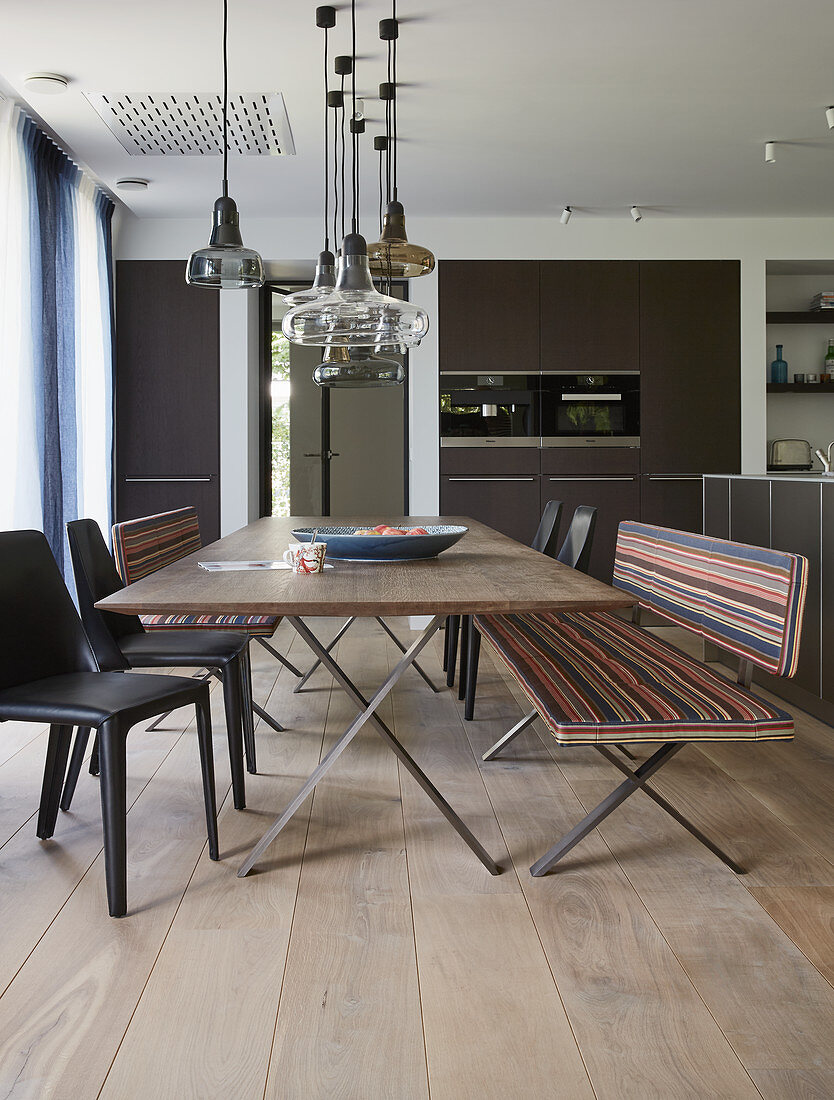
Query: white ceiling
x,y
505,109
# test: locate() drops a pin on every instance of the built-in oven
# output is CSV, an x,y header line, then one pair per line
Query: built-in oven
x,y
590,410
489,410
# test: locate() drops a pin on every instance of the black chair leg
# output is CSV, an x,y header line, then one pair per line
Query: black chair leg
x,y
248,714
57,751
114,815
94,763
465,632
79,747
207,768
452,630
472,661
446,644
234,701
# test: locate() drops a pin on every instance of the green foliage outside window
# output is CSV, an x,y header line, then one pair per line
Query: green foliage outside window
x,y
280,424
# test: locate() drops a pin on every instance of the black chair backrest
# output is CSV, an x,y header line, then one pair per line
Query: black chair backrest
x,y
576,549
96,577
40,632
547,535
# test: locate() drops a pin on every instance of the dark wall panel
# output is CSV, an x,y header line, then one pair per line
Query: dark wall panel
x,y
167,391
717,507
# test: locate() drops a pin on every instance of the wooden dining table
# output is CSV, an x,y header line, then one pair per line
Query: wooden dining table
x,y
484,573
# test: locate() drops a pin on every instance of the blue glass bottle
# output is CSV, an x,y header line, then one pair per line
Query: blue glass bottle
x,y
779,367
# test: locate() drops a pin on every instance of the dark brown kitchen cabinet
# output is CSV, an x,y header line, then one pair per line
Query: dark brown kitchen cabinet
x,y
488,315
750,511
507,502
167,398
827,610
590,318
672,500
717,507
616,498
795,527
690,396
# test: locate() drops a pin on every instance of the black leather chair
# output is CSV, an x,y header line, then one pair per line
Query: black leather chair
x,y
49,674
575,551
544,541
120,641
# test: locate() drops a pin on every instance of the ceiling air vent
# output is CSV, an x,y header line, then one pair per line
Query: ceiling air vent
x,y
191,124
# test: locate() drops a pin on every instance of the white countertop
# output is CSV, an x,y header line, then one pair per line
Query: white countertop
x,y
796,475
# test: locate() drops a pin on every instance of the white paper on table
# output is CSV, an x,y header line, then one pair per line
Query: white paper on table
x,y
242,566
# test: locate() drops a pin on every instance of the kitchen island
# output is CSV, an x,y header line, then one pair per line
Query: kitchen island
x,y
794,512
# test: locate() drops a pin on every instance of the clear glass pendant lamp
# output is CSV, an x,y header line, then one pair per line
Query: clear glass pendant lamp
x,y
355,314
226,264
357,369
324,282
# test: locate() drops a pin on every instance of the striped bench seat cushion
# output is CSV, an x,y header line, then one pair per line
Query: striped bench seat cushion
x,y
261,625
595,679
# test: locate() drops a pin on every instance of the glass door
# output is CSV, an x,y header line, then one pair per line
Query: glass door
x,y
327,452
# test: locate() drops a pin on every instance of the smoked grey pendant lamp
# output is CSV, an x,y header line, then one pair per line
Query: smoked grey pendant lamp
x,y
324,281
393,256
226,264
355,315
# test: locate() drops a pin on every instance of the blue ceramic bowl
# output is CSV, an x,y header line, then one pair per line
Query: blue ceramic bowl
x,y
344,544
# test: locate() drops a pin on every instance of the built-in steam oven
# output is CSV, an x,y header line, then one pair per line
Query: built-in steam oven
x,y
490,410
590,410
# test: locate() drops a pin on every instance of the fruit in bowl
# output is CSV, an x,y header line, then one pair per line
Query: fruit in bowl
x,y
383,529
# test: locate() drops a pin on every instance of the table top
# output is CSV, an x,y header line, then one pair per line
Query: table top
x,y
484,572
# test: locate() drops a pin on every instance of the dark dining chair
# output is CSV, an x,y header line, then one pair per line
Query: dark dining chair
x,y
141,546
120,641
458,626
575,551
48,674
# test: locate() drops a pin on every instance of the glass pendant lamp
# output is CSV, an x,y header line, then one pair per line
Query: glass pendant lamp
x,y
324,282
226,264
393,256
355,369
355,314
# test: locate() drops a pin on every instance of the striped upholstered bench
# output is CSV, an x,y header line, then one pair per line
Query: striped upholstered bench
x,y
596,679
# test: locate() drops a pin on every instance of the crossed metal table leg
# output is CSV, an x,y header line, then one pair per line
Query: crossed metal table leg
x,y
367,712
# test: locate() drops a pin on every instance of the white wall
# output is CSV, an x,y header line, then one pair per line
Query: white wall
x,y
753,241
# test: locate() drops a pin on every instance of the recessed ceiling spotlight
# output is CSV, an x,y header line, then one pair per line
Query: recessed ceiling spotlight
x,y
133,183
566,213
46,83
829,117
636,213
770,152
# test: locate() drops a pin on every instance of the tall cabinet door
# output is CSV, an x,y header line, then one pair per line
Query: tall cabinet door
x,y
590,319
167,393
616,498
690,396
488,315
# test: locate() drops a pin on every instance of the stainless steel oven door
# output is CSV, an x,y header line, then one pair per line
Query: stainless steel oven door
x,y
489,410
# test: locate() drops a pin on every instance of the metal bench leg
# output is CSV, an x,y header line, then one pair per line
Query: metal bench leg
x,y
402,649
278,656
510,735
342,629
587,825
670,809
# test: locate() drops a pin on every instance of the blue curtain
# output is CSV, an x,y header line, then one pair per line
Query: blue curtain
x,y
64,370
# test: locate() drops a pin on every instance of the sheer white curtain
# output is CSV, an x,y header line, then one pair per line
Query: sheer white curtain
x,y
55,337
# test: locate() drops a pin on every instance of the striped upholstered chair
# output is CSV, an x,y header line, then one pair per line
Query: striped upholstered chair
x,y
595,679
141,546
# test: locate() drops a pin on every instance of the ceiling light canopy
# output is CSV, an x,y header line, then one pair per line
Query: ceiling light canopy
x,y
355,314
770,152
636,213
566,215
133,183
46,83
226,264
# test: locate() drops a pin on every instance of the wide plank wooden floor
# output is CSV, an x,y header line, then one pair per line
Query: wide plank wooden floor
x,y
371,956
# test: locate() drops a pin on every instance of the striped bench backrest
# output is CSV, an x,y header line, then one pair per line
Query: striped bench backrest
x,y
141,546
746,599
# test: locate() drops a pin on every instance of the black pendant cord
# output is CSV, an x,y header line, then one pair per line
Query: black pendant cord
x,y
394,105
354,134
344,201
225,99
326,150
380,189
388,130
335,177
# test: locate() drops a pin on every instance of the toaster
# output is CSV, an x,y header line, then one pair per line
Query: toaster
x,y
790,454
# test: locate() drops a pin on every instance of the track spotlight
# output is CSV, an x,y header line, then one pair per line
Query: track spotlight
x,y
829,117
635,213
566,213
770,152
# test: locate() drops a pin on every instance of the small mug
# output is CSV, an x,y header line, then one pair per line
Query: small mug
x,y
812,378
306,557
798,378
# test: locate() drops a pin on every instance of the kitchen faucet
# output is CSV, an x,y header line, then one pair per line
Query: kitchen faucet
x,y
825,459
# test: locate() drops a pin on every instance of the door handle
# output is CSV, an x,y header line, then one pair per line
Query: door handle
x,y
592,479
173,480
675,477
322,454
491,479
